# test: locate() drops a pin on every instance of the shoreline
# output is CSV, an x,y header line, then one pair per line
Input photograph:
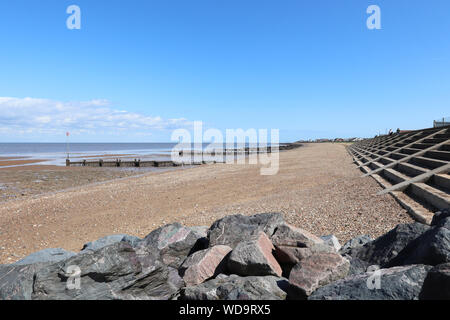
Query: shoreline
x,y
317,188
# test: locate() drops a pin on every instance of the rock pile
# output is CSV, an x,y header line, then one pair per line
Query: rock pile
x,y
258,257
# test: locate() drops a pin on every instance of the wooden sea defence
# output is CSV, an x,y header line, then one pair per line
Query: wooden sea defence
x,y
413,167
169,163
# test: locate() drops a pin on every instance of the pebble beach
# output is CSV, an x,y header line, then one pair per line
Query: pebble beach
x,y
317,188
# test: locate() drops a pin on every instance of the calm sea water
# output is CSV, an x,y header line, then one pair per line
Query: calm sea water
x,y
56,153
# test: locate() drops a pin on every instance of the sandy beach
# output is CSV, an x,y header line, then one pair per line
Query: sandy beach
x,y
317,188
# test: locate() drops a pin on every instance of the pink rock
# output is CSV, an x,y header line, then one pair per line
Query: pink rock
x,y
204,264
316,271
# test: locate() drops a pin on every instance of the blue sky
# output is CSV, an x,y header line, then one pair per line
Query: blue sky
x,y
139,69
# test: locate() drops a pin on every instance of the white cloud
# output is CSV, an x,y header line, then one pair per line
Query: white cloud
x,y
44,116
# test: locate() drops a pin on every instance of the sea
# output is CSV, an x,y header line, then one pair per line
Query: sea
x,y
57,153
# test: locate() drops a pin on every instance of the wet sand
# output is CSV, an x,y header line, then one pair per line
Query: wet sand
x,y
5,163
317,188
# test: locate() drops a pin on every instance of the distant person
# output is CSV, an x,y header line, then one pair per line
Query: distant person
x,y
390,132
398,130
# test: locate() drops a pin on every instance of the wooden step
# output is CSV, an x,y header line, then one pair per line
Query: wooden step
x,y
433,196
427,162
409,169
415,209
442,181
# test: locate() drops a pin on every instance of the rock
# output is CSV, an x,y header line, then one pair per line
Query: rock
x,y
106,241
254,257
398,283
46,255
431,248
204,264
332,241
290,236
117,271
357,266
200,230
231,230
290,256
174,243
437,283
386,247
315,271
294,244
440,215
16,281
234,287
444,223
353,244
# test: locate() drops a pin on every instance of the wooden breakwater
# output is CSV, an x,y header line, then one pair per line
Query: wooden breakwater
x,y
169,163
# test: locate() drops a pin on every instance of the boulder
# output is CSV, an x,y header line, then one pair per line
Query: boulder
x,y
357,266
290,236
444,223
437,283
440,215
231,230
315,271
106,241
431,248
117,271
46,255
234,287
290,256
294,244
173,242
254,257
386,247
332,241
398,283
204,264
354,244
16,281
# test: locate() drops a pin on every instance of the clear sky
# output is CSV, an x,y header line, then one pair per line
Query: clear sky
x,y
136,70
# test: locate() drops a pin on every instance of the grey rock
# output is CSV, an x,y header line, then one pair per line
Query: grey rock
x,y
388,246
16,281
233,229
117,271
431,248
254,257
174,243
357,266
234,287
440,215
332,241
437,283
353,244
444,223
290,236
398,283
46,255
108,240
200,230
